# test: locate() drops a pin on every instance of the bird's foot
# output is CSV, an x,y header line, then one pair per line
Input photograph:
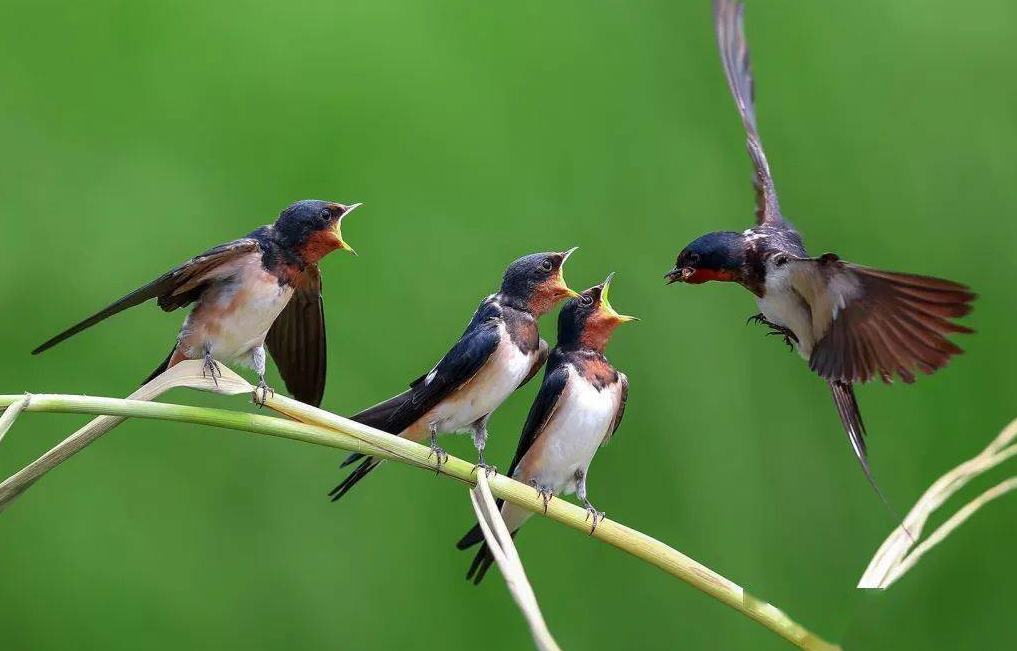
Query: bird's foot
x,y
262,392
596,515
211,368
786,333
544,493
758,318
440,456
488,469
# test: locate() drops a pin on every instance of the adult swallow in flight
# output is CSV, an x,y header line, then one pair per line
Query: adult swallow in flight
x,y
852,323
500,351
261,290
578,408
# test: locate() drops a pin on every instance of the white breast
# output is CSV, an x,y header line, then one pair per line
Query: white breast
x,y
582,418
235,312
784,306
497,379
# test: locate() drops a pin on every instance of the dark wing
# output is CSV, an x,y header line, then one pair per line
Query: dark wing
x,y
543,408
618,415
538,363
178,287
297,339
734,54
454,370
879,322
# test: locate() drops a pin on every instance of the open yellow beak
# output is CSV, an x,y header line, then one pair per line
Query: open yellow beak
x,y
561,287
605,305
343,246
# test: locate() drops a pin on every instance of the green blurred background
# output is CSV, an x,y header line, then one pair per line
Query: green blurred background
x,y
136,134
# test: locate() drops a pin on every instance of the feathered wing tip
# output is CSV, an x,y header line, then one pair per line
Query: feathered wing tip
x,y
898,324
851,419
379,415
361,471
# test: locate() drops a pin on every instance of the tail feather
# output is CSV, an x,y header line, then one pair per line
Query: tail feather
x,y
361,471
851,418
484,559
379,417
162,367
352,459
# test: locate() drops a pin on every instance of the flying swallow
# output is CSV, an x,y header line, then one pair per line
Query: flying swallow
x,y
577,410
257,291
500,351
852,323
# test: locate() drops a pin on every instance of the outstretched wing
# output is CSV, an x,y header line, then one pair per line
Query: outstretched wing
x,y
176,288
734,54
297,339
543,408
623,384
870,322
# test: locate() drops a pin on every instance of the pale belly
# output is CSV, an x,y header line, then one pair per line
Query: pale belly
x,y
568,443
232,318
785,307
495,382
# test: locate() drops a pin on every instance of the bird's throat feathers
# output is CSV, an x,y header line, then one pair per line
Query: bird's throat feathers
x,y
700,276
318,245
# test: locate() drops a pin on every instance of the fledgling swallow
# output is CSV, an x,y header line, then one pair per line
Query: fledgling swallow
x,y
578,408
500,351
852,323
257,291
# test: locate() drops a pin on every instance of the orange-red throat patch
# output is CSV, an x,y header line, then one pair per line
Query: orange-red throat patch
x,y
700,276
320,244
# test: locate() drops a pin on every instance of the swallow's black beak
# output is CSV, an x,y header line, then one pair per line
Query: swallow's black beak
x,y
679,274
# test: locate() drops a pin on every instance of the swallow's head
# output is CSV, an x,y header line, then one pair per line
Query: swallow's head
x,y
312,227
536,282
588,320
714,256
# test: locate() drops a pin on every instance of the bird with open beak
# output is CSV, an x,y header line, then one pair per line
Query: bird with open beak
x,y
578,408
500,351
263,290
852,323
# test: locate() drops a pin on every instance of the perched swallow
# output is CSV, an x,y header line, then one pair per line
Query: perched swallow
x,y
578,408
852,323
263,289
500,351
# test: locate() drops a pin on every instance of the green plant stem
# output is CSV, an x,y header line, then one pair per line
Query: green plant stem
x,y
348,435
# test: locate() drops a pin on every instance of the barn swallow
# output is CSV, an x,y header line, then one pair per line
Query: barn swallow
x,y
852,323
577,410
257,291
500,351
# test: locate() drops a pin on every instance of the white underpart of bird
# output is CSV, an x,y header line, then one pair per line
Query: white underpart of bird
x,y
493,384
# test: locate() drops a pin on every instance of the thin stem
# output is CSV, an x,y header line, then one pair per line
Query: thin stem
x,y
348,435
499,543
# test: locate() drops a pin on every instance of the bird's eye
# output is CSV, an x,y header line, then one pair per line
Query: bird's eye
x,y
780,261
325,214
546,265
586,300
694,258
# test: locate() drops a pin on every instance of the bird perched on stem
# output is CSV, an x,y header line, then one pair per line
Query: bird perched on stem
x,y
261,290
578,408
500,351
852,323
